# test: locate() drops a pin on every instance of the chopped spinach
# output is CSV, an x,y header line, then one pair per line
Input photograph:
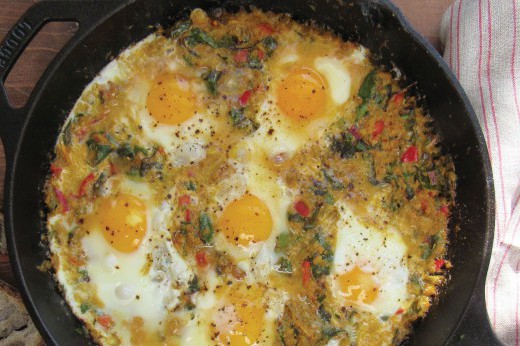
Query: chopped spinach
x,y
206,230
241,121
331,178
346,145
188,60
194,285
126,151
284,265
148,165
319,270
254,62
269,44
180,28
282,241
101,180
367,88
100,151
410,193
190,185
361,110
84,307
324,315
428,248
211,79
199,36
331,332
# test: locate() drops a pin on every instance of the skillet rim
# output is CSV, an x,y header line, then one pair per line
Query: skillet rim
x,y
13,157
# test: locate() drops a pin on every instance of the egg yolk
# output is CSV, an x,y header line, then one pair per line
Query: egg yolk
x,y
358,286
122,221
244,323
246,220
170,100
301,95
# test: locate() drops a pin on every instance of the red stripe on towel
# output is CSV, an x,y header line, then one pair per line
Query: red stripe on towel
x,y
458,39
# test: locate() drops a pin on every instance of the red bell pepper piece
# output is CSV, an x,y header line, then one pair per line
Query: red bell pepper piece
x,y
62,200
439,263
184,200
244,98
398,98
302,208
105,321
83,186
201,259
55,170
379,126
306,272
410,155
241,56
266,28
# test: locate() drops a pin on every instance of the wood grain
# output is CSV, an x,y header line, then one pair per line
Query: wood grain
x,y
425,15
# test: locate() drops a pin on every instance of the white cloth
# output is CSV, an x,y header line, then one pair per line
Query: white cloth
x,y
482,46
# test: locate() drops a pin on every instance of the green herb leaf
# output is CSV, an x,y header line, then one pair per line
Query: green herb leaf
x,y
254,62
126,151
190,185
324,315
180,28
206,230
241,121
282,241
330,332
284,265
346,145
361,110
188,61
319,270
269,44
199,36
84,307
329,199
368,86
194,285
211,79
331,178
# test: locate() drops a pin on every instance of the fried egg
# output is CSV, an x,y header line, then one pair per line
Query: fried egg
x,y
370,267
237,315
135,269
254,203
306,94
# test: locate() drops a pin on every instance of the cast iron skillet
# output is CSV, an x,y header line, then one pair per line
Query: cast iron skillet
x,y
107,27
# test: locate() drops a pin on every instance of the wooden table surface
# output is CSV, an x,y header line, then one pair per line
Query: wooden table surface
x,y
425,15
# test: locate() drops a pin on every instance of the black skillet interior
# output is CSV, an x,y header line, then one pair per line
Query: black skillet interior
x,y
375,24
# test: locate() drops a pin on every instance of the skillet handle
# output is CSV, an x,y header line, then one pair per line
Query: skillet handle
x,y
88,13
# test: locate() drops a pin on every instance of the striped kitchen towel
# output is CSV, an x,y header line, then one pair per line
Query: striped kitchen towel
x,y
482,46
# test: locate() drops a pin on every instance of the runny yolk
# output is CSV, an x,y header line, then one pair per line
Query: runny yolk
x,y
170,100
246,220
301,95
243,321
358,286
122,221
